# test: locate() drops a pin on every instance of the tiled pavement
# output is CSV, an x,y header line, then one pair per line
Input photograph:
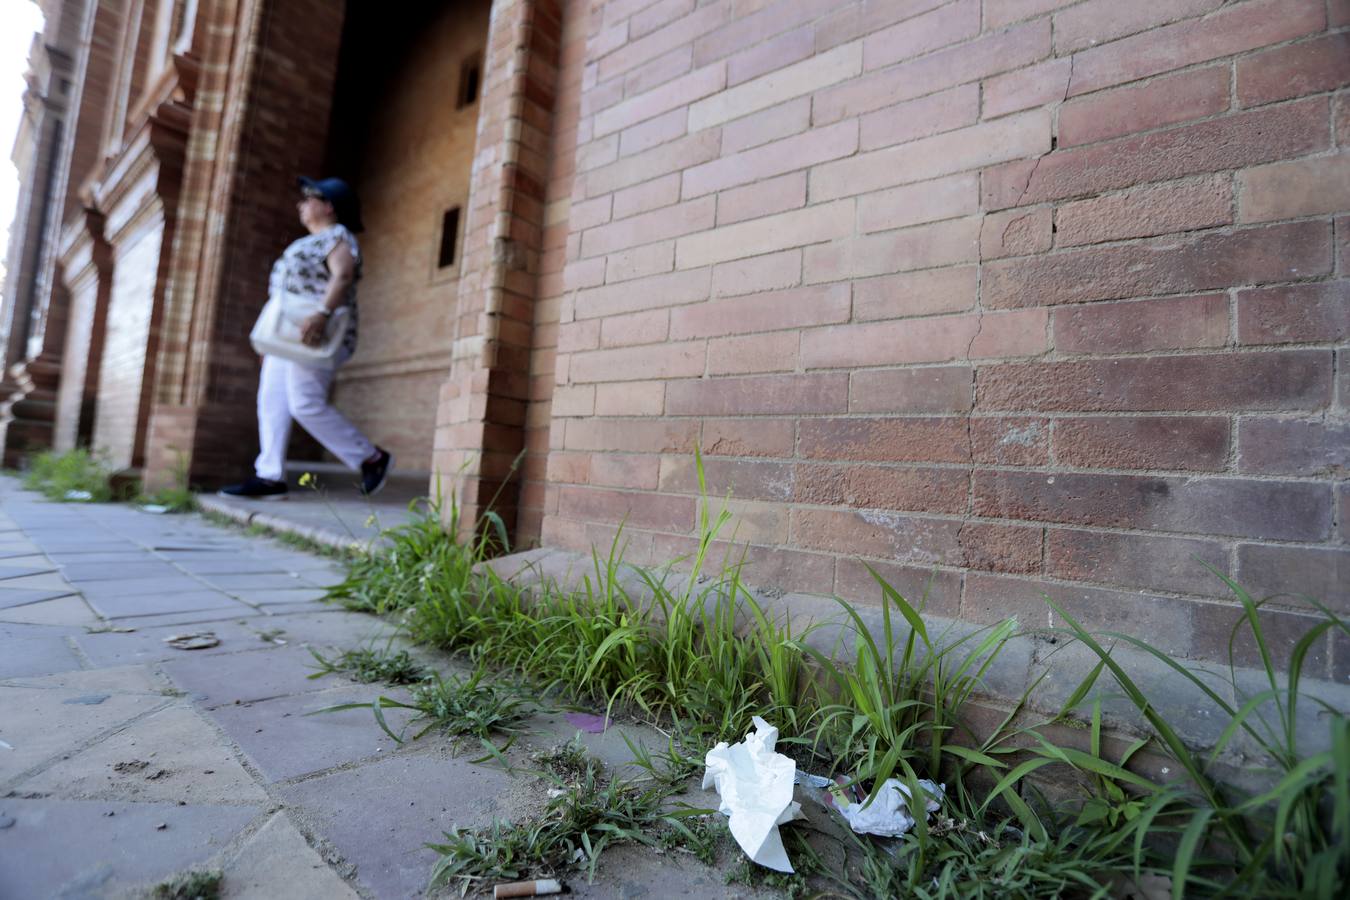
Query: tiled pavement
x,y
125,760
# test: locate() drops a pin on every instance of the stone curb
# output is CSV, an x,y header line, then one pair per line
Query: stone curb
x,y
325,537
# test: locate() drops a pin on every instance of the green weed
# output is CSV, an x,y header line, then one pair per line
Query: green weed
x,y
195,885
76,475
368,665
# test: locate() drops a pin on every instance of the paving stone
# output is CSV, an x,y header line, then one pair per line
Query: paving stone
x,y
121,680
170,755
8,572
228,565
134,605
379,815
608,746
115,852
11,597
334,627
246,677
306,595
630,872
49,580
130,587
254,582
97,572
68,610
235,612
147,645
41,725
281,609
276,862
283,742
36,655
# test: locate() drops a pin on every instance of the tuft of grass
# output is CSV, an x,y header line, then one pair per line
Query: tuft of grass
x,y
589,814
70,476
461,708
194,885
368,665
178,497
565,762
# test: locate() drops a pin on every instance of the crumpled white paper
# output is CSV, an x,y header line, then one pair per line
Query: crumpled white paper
x,y
755,785
888,815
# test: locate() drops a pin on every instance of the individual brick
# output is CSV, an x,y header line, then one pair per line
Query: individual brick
x,y
915,204
675,94
748,437
641,198
882,487
638,363
1252,508
999,13
1191,443
630,398
573,400
1014,549
928,389
640,262
1045,82
1229,142
657,225
1294,379
1293,447
922,293
632,435
625,470
758,395
1160,266
1296,313
1146,211
909,439
742,478
900,538
763,198
1295,70
1010,440
648,327
1221,634
772,124
907,341
1137,561
672,156
1019,332
1301,187
666,289
569,468
773,271
1016,232
1138,326
753,354
768,56
796,308
638,509
1101,21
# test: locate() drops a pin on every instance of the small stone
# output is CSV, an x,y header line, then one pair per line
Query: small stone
x,y
162,826
6,821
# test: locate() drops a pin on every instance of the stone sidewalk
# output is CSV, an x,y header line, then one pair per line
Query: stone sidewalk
x,y
125,761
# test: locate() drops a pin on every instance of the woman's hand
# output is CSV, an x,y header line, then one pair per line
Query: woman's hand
x,y
313,328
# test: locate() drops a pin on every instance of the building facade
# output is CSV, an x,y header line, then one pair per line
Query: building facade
x,y
1002,298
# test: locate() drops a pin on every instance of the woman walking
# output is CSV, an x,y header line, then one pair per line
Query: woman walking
x,y
322,266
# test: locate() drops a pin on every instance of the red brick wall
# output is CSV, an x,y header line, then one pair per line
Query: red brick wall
x,y
1036,295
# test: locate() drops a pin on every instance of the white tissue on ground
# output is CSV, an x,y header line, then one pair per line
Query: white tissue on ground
x,y
755,784
888,815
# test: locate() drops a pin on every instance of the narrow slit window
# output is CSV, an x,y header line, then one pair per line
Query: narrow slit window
x,y
470,74
449,237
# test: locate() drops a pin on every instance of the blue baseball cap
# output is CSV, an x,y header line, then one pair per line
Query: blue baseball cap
x,y
340,194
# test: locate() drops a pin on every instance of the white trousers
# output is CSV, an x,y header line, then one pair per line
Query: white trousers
x,y
287,392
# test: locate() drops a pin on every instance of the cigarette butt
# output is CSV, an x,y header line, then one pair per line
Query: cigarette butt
x,y
537,888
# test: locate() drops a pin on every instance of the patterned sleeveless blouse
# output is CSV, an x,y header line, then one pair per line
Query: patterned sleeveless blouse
x,y
303,269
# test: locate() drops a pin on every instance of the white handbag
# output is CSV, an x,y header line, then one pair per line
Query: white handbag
x,y
279,327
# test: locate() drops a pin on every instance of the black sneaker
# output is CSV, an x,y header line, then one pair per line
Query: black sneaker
x,y
255,488
375,474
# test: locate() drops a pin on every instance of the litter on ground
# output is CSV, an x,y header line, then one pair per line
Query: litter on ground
x,y
755,784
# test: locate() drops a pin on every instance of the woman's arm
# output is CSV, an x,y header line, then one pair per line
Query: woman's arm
x,y
341,273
